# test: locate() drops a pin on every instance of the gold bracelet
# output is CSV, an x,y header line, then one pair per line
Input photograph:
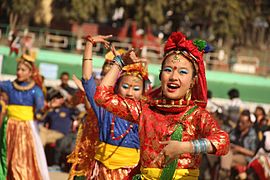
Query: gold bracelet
x,y
87,59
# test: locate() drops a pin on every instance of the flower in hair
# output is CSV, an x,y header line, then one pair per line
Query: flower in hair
x,y
136,68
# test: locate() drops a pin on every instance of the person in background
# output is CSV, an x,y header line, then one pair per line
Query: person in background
x,y
14,42
64,84
22,155
57,121
234,106
174,127
261,122
244,142
212,107
259,167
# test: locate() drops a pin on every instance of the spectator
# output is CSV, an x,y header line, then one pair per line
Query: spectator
x,y
212,107
243,145
233,56
57,122
64,83
234,107
14,42
261,122
26,44
66,90
259,167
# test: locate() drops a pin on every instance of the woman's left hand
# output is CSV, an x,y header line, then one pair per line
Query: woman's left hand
x,y
102,39
171,151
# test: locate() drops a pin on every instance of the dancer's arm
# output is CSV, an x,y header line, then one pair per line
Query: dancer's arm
x,y
213,141
88,82
87,68
125,108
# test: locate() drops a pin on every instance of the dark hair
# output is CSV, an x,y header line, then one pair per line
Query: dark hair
x,y
262,109
209,94
54,94
106,67
246,112
233,93
64,73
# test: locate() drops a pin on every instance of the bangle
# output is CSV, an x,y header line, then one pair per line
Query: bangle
x,y
200,146
87,59
118,59
90,39
118,65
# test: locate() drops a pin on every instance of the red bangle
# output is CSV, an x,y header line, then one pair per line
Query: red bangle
x,y
90,39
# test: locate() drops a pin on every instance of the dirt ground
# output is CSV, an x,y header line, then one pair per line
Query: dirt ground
x,y
58,176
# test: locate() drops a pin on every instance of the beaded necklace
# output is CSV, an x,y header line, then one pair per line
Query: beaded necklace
x,y
23,88
122,135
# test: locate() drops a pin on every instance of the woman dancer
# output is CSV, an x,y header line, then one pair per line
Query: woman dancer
x,y
22,154
174,127
83,156
118,150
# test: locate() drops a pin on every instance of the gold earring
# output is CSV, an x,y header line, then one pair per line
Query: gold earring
x,y
188,96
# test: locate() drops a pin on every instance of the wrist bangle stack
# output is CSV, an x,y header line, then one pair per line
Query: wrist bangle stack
x,y
119,61
200,146
90,39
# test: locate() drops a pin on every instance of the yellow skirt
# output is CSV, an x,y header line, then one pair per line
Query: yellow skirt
x,y
155,173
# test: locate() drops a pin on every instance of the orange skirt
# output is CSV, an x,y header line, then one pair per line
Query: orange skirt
x,y
24,154
100,172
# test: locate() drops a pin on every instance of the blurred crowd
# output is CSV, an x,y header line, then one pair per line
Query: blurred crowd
x,y
249,135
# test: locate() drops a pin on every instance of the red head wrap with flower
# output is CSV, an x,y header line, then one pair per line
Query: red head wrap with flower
x,y
193,52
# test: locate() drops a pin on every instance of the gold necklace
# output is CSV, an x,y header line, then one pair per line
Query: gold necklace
x,y
23,88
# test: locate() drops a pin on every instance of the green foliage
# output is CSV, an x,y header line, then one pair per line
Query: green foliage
x,y
19,11
221,19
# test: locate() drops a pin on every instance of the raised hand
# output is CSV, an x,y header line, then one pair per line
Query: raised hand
x,y
116,53
131,57
100,39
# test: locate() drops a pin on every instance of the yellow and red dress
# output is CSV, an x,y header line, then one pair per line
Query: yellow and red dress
x,y
117,151
157,123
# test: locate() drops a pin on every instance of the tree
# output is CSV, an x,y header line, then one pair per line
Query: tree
x,y
222,19
19,11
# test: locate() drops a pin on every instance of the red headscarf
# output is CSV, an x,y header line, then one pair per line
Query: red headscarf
x,y
178,42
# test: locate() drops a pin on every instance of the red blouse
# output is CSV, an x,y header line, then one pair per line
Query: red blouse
x,y
156,126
